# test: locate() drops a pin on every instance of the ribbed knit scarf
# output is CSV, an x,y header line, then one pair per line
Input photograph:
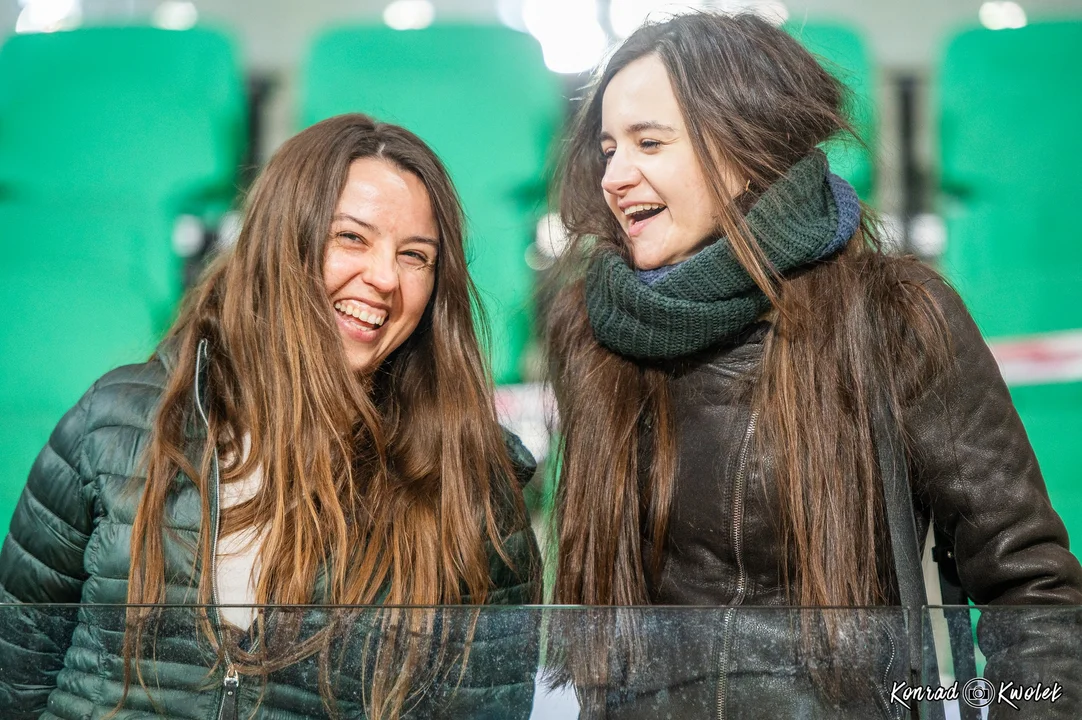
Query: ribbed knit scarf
x,y
805,216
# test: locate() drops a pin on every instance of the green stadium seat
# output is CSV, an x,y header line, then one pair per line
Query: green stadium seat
x,y
107,135
83,295
1010,109
129,112
1010,106
483,99
843,52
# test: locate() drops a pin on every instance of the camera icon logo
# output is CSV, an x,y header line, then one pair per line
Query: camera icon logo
x,y
978,693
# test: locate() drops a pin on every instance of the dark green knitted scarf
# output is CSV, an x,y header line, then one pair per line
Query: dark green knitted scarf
x,y
710,297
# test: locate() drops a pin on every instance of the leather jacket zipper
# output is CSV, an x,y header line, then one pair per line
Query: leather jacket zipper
x,y
742,573
227,710
895,711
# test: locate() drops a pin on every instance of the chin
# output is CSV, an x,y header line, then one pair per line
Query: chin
x,y
649,261
360,365
651,256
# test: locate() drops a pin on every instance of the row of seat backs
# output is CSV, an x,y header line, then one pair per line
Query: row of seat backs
x,y
843,52
1010,114
107,135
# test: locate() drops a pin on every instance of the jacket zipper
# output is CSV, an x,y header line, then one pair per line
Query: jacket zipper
x,y
231,684
886,677
227,710
742,574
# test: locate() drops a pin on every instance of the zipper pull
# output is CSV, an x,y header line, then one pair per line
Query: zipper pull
x,y
230,685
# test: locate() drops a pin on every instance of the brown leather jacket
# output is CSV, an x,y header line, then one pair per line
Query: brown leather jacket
x,y
972,470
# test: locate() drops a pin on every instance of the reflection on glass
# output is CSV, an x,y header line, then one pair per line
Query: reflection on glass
x,y
550,662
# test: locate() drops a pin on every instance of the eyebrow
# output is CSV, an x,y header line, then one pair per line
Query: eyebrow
x,y
640,127
372,228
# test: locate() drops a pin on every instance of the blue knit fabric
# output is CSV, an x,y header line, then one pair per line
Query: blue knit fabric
x,y
845,197
651,276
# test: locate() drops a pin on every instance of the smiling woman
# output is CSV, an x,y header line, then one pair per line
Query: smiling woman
x,y
653,183
733,355
317,428
381,259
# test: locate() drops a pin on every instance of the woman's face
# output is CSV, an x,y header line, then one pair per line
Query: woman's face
x,y
380,265
653,182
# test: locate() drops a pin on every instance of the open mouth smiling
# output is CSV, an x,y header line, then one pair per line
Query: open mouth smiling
x,y
360,314
639,214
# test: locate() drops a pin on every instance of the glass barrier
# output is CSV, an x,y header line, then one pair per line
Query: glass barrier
x,y
197,662
1002,662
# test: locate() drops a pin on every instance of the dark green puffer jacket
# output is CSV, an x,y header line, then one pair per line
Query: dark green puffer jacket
x,y
69,542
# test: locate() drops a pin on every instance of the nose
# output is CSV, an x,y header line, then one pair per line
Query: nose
x,y
620,175
380,270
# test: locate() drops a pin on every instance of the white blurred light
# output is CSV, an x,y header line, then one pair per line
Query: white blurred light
x,y
510,14
891,232
552,237
1002,15
48,15
229,228
175,15
928,235
188,236
627,15
773,11
569,32
409,14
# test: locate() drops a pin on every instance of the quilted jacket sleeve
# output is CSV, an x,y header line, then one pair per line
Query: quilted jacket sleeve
x,y
42,562
498,678
977,472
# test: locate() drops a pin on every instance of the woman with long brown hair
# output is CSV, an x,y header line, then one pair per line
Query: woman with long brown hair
x,y
317,428
731,352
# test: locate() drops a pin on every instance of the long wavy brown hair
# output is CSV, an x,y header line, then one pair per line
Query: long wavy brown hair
x,y
379,488
755,101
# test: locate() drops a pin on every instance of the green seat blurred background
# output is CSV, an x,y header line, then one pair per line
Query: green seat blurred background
x,y
1010,132
124,114
107,136
482,97
843,51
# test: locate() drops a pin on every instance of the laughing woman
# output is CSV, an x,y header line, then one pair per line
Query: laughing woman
x,y
318,427
731,353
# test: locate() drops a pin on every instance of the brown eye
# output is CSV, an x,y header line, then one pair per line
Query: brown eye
x,y
416,258
351,237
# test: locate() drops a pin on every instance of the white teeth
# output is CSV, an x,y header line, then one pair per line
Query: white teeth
x,y
354,310
641,207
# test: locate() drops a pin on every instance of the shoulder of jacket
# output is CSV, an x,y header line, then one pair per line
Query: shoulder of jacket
x,y
128,395
913,272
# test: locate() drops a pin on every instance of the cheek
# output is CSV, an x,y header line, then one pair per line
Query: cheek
x,y
610,201
692,203
336,270
416,292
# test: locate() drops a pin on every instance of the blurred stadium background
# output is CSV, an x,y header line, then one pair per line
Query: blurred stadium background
x,y
129,130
